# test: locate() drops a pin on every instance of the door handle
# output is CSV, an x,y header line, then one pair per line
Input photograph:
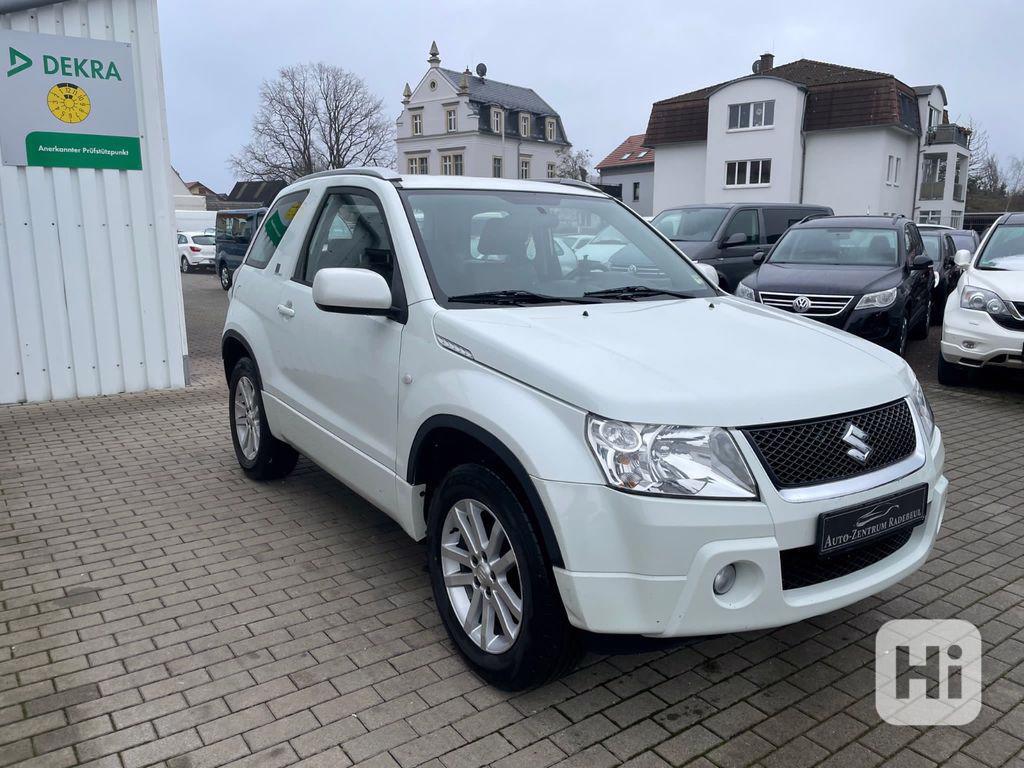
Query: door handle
x,y
285,310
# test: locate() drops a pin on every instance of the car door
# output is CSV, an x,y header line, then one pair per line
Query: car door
x,y
919,280
340,371
182,246
737,261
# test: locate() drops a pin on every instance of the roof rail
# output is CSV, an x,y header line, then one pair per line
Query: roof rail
x,y
387,174
819,215
573,183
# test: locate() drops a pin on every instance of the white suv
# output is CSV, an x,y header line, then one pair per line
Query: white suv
x,y
624,451
984,320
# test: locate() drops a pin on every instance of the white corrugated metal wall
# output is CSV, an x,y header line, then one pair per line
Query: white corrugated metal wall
x,y
90,293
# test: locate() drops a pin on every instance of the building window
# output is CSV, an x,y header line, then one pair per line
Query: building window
x,y
496,167
636,191
418,165
929,217
524,169
746,173
956,219
933,177
550,129
417,123
451,165
497,120
552,171
892,171
452,120
753,114
524,125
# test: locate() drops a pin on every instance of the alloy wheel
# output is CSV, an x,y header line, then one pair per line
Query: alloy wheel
x,y
903,337
247,418
481,576
225,277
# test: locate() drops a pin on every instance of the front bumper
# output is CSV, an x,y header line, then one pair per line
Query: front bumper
x,y
992,344
645,565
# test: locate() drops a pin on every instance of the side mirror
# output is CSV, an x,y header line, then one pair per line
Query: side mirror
x,y
923,261
709,272
736,238
351,291
962,258
759,258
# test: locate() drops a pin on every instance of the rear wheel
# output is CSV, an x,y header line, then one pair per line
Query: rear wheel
x,y
952,374
261,455
492,585
225,276
185,266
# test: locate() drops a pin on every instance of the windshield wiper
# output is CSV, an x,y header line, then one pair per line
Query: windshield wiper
x,y
635,291
516,297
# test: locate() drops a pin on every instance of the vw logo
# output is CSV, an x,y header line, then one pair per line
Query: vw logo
x,y
857,439
801,304
632,268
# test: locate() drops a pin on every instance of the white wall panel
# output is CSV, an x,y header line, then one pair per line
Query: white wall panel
x,y
90,294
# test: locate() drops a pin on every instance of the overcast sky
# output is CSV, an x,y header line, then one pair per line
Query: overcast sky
x,y
599,64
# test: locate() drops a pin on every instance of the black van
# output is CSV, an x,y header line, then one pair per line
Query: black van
x,y
727,235
235,230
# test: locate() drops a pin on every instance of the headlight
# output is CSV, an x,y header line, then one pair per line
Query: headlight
x,y
924,411
699,462
745,292
878,300
984,301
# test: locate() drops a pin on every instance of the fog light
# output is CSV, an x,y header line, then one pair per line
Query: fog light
x,y
724,579
968,345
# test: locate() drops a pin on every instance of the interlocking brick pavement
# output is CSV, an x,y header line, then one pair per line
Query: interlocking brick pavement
x,y
158,609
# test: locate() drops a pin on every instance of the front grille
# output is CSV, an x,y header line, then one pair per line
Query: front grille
x,y
1020,307
636,269
821,305
1009,322
812,452
804,567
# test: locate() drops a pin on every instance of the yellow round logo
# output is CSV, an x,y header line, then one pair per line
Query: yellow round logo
x,y
68,103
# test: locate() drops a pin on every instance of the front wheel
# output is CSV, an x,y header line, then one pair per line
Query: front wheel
x,y
225,276
923,325
492,584
261,455
185,266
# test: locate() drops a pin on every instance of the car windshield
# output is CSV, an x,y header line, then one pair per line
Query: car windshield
x,y
837,245
203,239
690,224
1004,250
504,247
932,246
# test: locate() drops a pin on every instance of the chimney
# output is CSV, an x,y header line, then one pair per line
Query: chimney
x,y
767,62
464,83
406,94
435,56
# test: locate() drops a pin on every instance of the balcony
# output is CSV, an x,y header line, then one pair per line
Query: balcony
x,y
949,133
932,190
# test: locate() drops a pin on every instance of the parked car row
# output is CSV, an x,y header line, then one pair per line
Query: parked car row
x,y
608,443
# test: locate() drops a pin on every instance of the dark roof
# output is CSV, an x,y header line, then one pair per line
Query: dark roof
x,y
837,97
512,97
628,153
255,192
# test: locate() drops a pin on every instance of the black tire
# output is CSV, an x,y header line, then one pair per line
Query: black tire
x,y
546,644
900,345
225,276
952,374
939,303
272,459
185,266
921,328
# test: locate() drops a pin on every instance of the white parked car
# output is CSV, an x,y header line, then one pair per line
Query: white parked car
x,y
984,320
196,250
582,449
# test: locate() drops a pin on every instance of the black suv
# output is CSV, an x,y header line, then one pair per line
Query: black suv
x,y
869,275
728,234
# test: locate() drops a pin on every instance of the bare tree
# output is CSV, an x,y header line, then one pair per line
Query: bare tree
x,y
1014,175
573,165
313,117
979,147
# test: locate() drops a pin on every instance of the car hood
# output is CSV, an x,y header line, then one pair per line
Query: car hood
x,y
824,279
695,249
710,362
1007,285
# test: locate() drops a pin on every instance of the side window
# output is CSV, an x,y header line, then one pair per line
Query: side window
x,y
351,232
182,240
778,220
745,221
915,245
276,223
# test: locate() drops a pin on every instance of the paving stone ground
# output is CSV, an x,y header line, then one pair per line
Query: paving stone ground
x,y
159,609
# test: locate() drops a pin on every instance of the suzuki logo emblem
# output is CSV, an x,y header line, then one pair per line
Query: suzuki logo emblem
x,y
856,438
801,304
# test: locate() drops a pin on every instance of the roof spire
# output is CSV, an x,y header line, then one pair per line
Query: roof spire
x,y
406,94
435,56
464,83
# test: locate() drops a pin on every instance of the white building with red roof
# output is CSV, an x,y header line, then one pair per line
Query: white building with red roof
x,y
630,166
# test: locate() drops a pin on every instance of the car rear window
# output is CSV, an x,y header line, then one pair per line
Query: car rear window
x,y
203,239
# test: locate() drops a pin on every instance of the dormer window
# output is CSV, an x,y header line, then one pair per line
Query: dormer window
x,y
642,154
625,156
417,123
497,120
524,124
550,129
753,114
